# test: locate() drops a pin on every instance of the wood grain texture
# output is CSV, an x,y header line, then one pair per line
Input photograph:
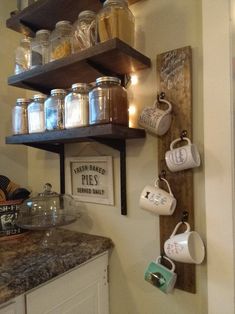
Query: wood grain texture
x,y
44,14
112,57
174,77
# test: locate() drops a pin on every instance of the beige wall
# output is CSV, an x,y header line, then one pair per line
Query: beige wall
x,y
13,159
219,154
161,26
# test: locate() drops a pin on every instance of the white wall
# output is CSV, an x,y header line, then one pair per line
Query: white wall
x,y
219,151
13,159
161,26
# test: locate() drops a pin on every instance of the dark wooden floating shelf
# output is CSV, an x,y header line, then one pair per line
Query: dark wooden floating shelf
x,y
45,14
112,57
95,132
112,135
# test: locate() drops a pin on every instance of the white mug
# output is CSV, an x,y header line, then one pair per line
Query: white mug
x,y
157,200
183,157
186,247
156,120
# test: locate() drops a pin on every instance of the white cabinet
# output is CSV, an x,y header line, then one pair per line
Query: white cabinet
x,y
81,291
16,306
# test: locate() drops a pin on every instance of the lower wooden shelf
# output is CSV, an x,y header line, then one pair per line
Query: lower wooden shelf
x,y
109,134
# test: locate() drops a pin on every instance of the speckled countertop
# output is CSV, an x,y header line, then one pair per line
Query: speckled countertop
x,y
25,264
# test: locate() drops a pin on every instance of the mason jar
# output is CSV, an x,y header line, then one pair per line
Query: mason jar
x,y
40,48
22,56
19,116
115,20
76,108
84,31
61,40
54,110
35,110
108,102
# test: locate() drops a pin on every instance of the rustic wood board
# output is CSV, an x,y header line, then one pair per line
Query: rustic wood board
x,y
174,78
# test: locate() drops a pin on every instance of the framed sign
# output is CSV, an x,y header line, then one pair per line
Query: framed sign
x,y
91,179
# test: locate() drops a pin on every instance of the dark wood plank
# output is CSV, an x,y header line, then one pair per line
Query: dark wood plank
x,y
111,57
93,132
45,14
174,77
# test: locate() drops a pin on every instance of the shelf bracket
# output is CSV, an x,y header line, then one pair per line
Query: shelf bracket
x,y
58,149
120,145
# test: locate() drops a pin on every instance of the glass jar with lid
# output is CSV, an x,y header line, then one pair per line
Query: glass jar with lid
x,y
40,48
54,110
61,40
22,56
115,20
19,116
36,114
76,108
108,102
84,30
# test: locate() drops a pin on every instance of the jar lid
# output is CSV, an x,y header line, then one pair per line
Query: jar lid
x,y
39,96
63,23
86,13
107,2
24,100
108,79
80,85
58,91
43,31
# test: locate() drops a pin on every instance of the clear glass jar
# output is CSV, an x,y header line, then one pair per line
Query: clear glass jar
x,y
115,20
40,48
19,116
84,31
54,110
108,102
22,56
35,110
76,107
61,40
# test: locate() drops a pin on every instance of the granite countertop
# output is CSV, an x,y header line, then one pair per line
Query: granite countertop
x,y
25,264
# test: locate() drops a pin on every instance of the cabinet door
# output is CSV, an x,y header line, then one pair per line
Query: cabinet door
x,y
81,291
15,306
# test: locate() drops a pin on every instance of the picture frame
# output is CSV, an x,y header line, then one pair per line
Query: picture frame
x,y
90,179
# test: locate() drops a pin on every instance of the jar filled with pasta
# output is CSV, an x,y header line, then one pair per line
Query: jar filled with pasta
x,y
61,41
84,31
115,20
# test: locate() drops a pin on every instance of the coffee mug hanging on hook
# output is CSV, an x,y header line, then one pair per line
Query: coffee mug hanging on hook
x,y
156,120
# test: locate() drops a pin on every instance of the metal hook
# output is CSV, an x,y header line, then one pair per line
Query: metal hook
x,y
183,134
161,96
184,216
162,174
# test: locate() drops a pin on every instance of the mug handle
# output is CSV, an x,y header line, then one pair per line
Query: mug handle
x,y
177,226
178,140
156,184
158,261
166,102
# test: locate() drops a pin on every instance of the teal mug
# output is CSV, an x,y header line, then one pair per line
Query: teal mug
x,y
160,276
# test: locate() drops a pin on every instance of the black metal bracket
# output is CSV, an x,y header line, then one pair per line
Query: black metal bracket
x,y
118,144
